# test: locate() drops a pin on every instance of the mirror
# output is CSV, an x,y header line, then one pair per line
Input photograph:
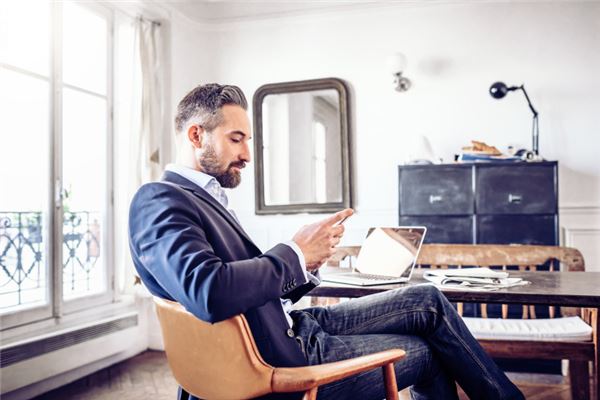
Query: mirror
x,y
302,151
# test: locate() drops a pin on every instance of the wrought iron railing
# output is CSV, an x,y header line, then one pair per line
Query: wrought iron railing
x,y
23,274
81,251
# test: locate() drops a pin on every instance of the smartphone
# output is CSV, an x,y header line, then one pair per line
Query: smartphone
x,y
342,221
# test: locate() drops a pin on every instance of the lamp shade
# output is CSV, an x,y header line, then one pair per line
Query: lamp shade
x,y
396,63
498,90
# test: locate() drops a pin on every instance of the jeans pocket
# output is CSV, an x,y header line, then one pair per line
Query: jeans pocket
x,y
300,342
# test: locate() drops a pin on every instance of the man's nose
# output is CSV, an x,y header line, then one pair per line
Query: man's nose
x,y
245,156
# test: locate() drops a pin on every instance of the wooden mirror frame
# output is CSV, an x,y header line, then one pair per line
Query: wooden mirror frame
x,y
345,117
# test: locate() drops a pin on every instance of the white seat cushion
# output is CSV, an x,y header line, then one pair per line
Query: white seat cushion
x,y
569,329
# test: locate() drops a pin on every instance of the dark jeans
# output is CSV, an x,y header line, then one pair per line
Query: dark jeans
x,y
419,319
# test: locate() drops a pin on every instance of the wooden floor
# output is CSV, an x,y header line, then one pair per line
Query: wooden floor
x,y
147,376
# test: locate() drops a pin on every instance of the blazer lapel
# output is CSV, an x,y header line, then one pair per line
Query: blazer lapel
x,y
203,194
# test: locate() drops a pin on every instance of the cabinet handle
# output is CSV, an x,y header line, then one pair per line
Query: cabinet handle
x,y
434,198
514,198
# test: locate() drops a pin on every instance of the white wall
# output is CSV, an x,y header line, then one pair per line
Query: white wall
x,y
455,51
192,60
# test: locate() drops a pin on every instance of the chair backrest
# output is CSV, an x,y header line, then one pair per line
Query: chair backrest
x,y
211,361
526,257
523,257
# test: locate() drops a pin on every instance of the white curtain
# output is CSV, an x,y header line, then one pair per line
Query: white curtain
x,y
144,141
150,149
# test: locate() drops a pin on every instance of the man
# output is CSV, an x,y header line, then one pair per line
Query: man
x,y
189,247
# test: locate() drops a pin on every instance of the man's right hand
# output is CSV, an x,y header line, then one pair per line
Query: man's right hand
x,y
317,241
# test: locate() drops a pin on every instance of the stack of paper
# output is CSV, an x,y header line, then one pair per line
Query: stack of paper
x,y
472,279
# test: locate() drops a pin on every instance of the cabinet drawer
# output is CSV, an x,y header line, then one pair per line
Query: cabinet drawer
x,y
516,189
522,229
443,229
435,191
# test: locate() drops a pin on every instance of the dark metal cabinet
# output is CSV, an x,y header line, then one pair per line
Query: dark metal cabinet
x,y
441,191
515,189
482,203
443,229
495,203
517,229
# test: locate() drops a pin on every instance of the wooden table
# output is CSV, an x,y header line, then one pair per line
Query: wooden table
x,y
562,289
569,289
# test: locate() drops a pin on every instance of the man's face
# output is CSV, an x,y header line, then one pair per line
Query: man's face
x,y
225,150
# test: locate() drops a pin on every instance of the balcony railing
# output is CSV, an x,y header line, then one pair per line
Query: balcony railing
x,y
23,274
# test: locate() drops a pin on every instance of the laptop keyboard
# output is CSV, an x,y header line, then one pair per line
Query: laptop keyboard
x,y
372,277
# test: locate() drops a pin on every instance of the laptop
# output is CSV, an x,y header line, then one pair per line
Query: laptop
x,y
387,256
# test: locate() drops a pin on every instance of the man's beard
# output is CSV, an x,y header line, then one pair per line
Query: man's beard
x,y
209,162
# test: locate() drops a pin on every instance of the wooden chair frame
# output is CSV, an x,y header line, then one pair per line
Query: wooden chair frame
x,y
222,361
526,257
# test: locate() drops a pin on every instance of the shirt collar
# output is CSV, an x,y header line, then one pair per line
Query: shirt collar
x,y
205,181
199,178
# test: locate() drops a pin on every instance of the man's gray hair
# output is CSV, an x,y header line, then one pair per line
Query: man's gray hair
x,y
204,104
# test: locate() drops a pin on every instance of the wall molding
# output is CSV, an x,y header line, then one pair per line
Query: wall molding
x,y
580,228
575,208
571,234
579,216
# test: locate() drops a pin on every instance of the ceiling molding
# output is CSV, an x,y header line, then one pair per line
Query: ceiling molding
x,y
176,14
218,19
135,8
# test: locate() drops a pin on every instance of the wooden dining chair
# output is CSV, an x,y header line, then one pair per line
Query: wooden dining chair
x,y
580,353
221,360
532,258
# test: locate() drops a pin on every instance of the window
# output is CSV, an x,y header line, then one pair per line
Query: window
x,y
55,163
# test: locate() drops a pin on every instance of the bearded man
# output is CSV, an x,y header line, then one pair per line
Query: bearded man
x,y
188,246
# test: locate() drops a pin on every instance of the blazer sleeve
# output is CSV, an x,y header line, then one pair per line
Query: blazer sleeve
x,y
296,294
168,239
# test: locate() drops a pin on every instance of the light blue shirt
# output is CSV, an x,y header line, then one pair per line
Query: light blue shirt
x,y
213,187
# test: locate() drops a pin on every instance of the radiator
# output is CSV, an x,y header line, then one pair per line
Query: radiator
x,y
42,363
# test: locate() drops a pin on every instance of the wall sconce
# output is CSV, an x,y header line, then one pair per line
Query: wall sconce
x,y
499,89
397,65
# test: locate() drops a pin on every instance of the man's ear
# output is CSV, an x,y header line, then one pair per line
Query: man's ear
x,y
195,135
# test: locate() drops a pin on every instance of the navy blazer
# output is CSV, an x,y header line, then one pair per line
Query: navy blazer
x,y
186,247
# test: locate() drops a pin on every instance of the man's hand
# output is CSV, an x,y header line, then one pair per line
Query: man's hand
x,y
317,241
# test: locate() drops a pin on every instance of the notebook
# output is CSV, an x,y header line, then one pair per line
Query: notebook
x,y
387,256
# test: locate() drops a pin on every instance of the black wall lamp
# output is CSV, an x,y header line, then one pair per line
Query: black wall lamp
x,y
499,89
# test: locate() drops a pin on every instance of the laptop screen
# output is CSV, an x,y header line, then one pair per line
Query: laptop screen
x,y
391,251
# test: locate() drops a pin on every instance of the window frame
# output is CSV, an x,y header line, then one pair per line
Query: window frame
x,y
57,306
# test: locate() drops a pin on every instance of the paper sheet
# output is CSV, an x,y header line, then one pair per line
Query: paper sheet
x,y
482,272
472,279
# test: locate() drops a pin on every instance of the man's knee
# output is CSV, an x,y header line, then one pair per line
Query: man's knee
x,y
428,294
